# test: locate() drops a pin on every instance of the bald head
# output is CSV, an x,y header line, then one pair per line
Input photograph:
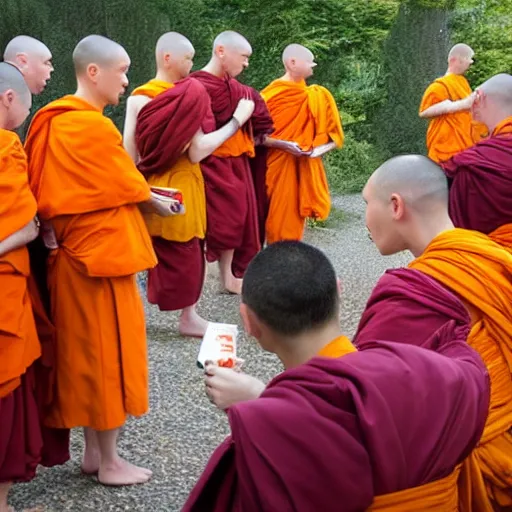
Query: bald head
x,y
499,88
15,97
174,56
493,101
461,51
174,44
97,50
33,59
417,179
297,51
232,41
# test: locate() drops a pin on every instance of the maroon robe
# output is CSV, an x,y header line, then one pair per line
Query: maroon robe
x,y
481,185
342,431
165,126
408,306
262,125
232,211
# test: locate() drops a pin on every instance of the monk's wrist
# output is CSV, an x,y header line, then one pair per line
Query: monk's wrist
x,y
236,123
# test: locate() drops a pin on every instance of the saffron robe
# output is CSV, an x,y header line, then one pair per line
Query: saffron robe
x,y
86,184
20,431
165,127
481,185
231,208
449,134
355,428
479,272
297,186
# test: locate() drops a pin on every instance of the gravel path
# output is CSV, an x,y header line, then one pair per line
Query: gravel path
x,y
176,438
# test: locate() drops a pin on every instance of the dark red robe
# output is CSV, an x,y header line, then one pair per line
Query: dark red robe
x,y
334,433
407,306
232,210
165,126
481,185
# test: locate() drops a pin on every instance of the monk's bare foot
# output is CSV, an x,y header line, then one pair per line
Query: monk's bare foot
x,y
191,324
122,472
232,285
90,462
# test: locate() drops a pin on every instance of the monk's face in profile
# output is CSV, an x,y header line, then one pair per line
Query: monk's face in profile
x,y
234,59
302,67
111,79
382,214
16,108
462,63
36,69
185,64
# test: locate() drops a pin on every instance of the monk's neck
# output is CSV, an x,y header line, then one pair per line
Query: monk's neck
x,y
290,77
170,76
91,98
453,71
296,350
214,67
4,125
425,232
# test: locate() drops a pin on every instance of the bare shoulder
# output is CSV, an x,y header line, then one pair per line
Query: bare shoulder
x,y
134,104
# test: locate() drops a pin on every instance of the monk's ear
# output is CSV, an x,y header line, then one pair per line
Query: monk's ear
x,y
93,71
220,51
339,285
22,60
397,206
7,98
250,321
167,58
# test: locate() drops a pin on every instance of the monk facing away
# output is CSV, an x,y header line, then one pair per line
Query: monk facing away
x,y
169,129
34,60
88,189
447,103
338,425
307,115
407,209
481,176
232,235
20,434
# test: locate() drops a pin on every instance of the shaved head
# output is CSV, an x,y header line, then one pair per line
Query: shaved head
x,y
233,41
97,50
11,78
406,204
173,43
418,180
15,97
461,51
493,101
499,88
25,44
297,51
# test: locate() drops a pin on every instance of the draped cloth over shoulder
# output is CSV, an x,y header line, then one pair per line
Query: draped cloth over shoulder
x,y
352,433
481,185
479,272
165,128
86,184
449,134
232,212
20,431
297,186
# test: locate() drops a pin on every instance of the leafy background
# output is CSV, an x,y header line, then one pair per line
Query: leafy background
x,y
376,56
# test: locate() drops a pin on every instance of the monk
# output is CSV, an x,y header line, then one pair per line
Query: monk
x,y
481,176
20,434
447,104
296,183
231,205
407,209
340,426
166,138
34,60
88,189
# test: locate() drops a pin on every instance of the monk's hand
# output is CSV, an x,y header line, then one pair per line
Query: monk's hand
x,y
243,111
294,149
159,206
226,387
48,235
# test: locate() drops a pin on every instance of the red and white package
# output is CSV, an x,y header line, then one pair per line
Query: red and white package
x,y
219,345
171,196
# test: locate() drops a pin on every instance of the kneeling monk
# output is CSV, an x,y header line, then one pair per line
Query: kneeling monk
x,y
408,210
167,123
340,426
88,189
20,433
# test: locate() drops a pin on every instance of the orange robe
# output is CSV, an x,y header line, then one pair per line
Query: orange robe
x,y
449,134
20,432
88,187
297,186
479,272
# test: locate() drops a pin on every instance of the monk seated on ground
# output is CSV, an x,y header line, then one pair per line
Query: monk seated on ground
x,y
338,425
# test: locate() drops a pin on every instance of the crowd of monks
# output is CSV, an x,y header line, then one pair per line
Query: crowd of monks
x,y
414,414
